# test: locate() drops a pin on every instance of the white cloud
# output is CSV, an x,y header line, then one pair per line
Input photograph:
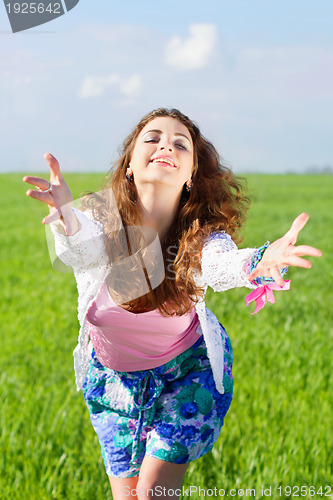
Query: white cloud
x,y
131,86
96,86
195,51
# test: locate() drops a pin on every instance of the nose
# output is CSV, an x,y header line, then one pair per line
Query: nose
x,y
165,144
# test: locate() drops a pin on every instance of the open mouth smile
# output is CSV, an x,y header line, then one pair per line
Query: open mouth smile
x,y
166,160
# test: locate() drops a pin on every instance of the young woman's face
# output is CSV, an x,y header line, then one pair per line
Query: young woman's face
x,y
163,153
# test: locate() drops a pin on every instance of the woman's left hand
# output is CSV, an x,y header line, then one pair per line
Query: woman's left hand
x,y
283,252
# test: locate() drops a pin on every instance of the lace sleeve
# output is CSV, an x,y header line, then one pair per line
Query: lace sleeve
x,y
223,265
85,248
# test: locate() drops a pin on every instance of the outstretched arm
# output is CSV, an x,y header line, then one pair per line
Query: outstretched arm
x,y
79,239
224,266
58,197
283,252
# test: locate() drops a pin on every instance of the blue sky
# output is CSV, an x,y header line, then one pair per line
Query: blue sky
x,y
256,76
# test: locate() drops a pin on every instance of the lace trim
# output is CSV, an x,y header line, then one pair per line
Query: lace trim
x,y
223,265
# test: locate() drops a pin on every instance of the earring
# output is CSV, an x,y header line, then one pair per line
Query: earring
x,y
188,187
129,176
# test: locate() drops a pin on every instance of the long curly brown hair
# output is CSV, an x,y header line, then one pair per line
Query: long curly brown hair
x,y
216,202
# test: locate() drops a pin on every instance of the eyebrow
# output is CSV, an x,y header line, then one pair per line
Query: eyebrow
x,y
161,132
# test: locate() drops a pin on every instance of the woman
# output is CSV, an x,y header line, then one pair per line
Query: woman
x,y
156,374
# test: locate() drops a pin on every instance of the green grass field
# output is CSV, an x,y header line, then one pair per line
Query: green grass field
x,y
278,431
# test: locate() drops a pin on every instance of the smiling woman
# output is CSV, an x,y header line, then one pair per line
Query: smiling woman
x,y
157,372
161,163
184,203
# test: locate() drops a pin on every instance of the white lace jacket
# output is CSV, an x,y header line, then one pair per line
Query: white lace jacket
x,y
223,267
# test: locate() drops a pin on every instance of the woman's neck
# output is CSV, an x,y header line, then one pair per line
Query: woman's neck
x,y
158,208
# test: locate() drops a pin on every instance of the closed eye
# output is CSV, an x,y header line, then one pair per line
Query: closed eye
x,y
181,146
155,140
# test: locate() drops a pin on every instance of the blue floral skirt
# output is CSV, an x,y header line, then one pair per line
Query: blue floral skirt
x,y
173,412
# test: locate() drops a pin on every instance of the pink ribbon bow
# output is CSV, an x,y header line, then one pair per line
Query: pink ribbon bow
x,y
264,293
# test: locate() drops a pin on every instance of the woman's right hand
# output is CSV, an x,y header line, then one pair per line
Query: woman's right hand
x,y
59,199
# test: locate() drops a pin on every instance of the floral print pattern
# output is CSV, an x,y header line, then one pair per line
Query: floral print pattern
x,y
172,412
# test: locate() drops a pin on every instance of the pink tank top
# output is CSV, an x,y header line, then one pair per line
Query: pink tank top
x,y
125,341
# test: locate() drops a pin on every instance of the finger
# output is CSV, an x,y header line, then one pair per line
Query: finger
x,y
53,163
275,274
297,226
37,181
253,275
39,195
307,250
298,262
257,273
52,217
267,273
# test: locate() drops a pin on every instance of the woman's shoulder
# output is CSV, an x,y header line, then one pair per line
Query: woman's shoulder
x,y
219,241
216,236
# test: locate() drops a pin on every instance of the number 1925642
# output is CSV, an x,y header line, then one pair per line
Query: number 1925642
x,y
33,8
308,491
